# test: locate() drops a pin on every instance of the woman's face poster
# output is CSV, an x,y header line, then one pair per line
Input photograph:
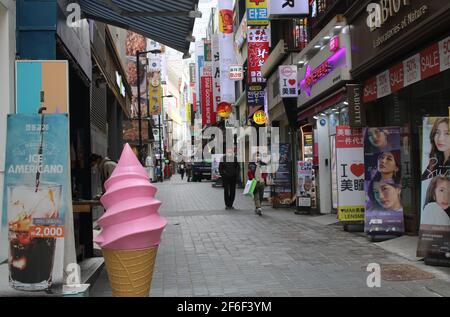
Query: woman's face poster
x,y
383,186
434,237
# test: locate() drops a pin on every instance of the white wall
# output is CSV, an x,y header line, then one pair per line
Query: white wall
x,y
324,168
7,57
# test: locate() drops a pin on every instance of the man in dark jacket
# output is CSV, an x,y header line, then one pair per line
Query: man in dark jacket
x,y
229,171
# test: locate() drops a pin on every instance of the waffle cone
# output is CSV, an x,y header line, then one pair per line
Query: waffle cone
x,y
130,272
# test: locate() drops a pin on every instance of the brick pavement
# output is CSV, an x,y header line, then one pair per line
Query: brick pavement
x,y
208,251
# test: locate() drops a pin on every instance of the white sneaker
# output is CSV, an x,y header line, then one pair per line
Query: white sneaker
x,y
259,211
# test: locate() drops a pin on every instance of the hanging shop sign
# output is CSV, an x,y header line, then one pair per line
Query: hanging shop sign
x,y
226,50
208,52
429,62
324,71
208,114
383,181
258,52
49,79
216,69
434,236
256,98
288,8
155,99
305,184
236,72
36,199
260,117
335,43
350,174
288,81
257,12
224,110
192,77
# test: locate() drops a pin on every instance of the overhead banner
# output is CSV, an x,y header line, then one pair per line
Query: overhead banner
x,y
155,99
257,12
208,114
288,81
350,174
258,52
226,50
383,186
434,236
47,79
216,69
36,199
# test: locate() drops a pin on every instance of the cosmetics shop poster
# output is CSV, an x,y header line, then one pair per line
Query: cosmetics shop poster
x,y
383,185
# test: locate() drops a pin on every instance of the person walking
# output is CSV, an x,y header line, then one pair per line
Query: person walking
x,y
229,171
182,169
257,171
189,171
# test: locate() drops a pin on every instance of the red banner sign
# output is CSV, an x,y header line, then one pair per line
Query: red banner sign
x,y
208,114
258,52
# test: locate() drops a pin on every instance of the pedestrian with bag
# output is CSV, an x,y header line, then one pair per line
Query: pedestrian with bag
x,y
105,167
229,171
257,171
182,169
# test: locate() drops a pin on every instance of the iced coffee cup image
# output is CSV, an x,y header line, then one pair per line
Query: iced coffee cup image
x,y
33,224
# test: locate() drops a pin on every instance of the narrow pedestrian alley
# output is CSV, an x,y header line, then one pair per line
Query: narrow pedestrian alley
x,y
209,251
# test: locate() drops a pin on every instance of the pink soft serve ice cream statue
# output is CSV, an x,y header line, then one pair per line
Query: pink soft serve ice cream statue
x,y
131,227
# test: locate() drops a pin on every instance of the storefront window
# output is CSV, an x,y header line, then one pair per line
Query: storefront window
x,y
406,109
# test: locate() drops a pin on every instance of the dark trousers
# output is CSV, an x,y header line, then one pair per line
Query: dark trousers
x,y
229,186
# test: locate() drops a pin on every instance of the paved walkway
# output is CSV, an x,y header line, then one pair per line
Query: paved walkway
x,y
208,251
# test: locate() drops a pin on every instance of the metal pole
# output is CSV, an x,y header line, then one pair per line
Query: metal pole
x,y
139,106
160,144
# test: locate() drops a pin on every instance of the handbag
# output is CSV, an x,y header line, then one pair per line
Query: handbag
x,y
250,187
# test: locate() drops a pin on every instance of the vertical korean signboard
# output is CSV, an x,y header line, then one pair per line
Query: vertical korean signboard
x,y
288,81
350,174
257,12
226,50
216,69
256,98
37,198
383,186
434,237
258,52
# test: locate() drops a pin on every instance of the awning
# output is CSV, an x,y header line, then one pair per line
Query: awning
x,y
169,22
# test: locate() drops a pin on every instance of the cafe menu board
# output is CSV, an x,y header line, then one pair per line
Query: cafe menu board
x,y
283,178
36,199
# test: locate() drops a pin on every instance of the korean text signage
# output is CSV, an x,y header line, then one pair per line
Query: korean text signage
x,y
208,114
429,62
434,237
36,199
236,72
260,117
288,8
379,30
350,174
216,69
256,98
288,81
383,181
257,12
305,184
258,52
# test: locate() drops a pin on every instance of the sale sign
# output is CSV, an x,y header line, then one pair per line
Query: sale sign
x,y
258,52
350,174
288,81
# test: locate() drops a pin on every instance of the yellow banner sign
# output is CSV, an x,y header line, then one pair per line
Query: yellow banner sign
x,y
351,213
155,100
260,117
